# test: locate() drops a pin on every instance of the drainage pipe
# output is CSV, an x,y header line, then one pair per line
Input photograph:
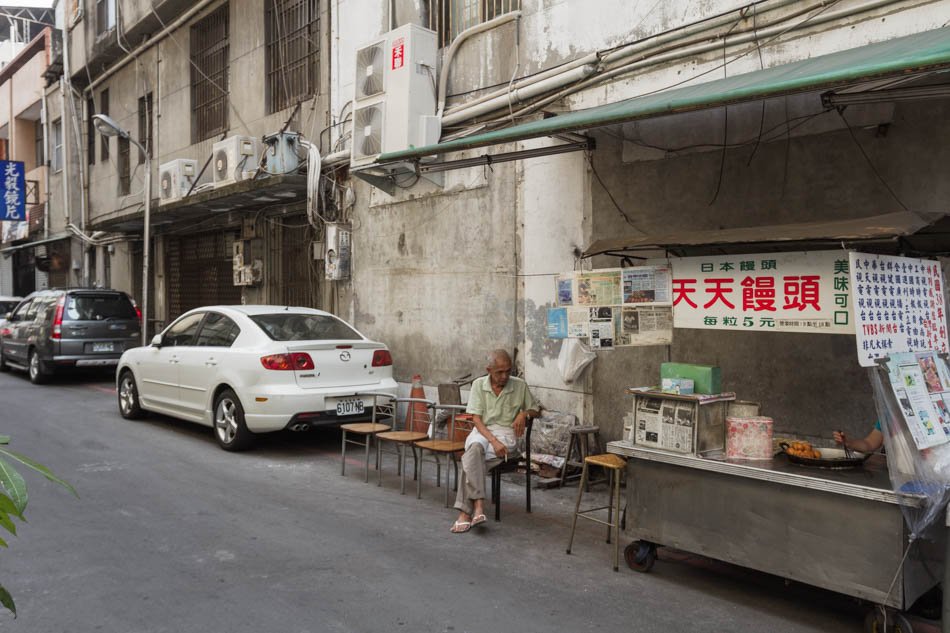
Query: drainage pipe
x,y
458,41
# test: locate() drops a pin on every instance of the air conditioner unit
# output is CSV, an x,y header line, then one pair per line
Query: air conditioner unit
x,y
175,179
233,159
394,99
282,153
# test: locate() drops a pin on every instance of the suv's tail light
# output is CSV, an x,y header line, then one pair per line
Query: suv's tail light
x,y
288,362
138,314
58,318
382,358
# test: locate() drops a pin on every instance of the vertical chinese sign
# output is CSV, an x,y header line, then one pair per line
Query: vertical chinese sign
x,y
774,292
13,208
898,306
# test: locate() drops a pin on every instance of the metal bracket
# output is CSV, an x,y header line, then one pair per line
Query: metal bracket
x,y
386,183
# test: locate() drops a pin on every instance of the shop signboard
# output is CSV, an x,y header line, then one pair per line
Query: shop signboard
x,y
773,292
13,188
898,306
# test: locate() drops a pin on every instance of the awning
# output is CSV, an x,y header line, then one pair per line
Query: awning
x,y
916,53
9,250
878,227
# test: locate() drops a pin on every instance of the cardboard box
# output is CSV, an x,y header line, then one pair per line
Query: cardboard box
x,y
706,379
682,386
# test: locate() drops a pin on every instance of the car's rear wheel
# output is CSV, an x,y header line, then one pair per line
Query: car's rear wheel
x,y
38,372
3,363
229,427
128,394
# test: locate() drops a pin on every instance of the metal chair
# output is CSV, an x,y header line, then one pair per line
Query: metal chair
x,y
418,416
384,408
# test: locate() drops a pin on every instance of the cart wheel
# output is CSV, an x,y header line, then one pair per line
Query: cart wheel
x,y
640,555
896,622
902,624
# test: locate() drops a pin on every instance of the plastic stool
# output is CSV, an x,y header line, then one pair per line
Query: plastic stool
x,y
585,440
614,465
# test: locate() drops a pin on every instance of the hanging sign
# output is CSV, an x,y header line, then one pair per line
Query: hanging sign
x,y
898,306
774,292
13,183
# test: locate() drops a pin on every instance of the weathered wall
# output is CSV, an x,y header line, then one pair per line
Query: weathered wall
x,y
810,384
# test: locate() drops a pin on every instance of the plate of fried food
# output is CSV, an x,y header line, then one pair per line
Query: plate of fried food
x,y
804,454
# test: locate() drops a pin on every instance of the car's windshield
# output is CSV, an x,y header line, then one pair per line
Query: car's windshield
x,y
304,327
7,306
98,307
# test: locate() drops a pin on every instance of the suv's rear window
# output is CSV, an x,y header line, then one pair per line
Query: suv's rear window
x,y
90,307
304,327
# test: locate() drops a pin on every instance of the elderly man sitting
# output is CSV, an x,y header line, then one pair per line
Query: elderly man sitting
x,y
500,406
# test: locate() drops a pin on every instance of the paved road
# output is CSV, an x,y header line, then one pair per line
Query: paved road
x,y
174,535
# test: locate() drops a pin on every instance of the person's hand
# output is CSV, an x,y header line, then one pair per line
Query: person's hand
x,y
500,449
839,437
519,424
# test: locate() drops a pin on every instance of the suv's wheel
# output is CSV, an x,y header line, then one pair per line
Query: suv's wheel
x,y
229,427
38,372
129,397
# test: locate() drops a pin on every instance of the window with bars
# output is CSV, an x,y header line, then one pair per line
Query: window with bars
x,y
122,165
145,123
448,18
104,109
293,51
209,76
90,131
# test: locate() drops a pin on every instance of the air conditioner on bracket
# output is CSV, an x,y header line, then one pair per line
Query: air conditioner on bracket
x,y
175,178
233,159
394,106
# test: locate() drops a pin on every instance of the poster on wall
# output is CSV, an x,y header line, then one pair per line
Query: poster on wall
x,y
564,287
578,322
921,385
557,322
598,288
646,285
602,327
898,306
772,292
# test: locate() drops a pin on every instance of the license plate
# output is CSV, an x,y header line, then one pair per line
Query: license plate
x,y
102,347
349,407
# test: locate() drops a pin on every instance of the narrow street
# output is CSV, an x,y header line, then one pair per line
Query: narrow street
x,y
172,534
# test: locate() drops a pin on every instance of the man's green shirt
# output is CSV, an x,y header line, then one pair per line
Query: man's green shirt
x,y
501,409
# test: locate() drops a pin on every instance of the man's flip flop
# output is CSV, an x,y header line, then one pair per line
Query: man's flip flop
x,y
478,519
460,526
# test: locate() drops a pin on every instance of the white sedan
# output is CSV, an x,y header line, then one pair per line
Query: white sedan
x,y
255,369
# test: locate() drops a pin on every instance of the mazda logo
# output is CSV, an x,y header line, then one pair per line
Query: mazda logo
x,y
344,356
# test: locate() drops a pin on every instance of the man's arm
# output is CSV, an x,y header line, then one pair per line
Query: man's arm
x,y
521,420
500,449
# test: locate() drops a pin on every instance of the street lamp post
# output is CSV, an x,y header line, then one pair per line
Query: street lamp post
x,y
107,127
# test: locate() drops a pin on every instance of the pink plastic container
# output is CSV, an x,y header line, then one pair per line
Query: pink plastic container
x,y
748,438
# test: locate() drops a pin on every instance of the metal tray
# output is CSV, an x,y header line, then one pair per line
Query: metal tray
x,y
832,458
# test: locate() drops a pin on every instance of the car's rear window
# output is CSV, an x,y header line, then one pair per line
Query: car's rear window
x,y
93,307
304,327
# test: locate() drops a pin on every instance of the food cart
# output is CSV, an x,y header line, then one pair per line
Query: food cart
x,y
840,529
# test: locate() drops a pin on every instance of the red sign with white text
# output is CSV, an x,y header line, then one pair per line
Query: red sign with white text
x,y
398,53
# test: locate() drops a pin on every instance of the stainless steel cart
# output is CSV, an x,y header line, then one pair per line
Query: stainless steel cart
x,y
840,530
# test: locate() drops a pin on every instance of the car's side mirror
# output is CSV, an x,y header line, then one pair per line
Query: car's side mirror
x,y
157,340
12,318
8,316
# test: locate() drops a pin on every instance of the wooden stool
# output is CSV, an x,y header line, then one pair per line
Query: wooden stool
x,y
585,440
614,465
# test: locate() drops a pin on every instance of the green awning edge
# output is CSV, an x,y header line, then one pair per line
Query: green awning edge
x,y
920,52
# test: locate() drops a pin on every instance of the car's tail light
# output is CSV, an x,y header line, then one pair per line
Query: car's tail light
x,y
288,362
138,314
5,332
58,318
382,358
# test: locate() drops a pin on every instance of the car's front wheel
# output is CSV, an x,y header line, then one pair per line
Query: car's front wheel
x,y
229,427
38,372
128,394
